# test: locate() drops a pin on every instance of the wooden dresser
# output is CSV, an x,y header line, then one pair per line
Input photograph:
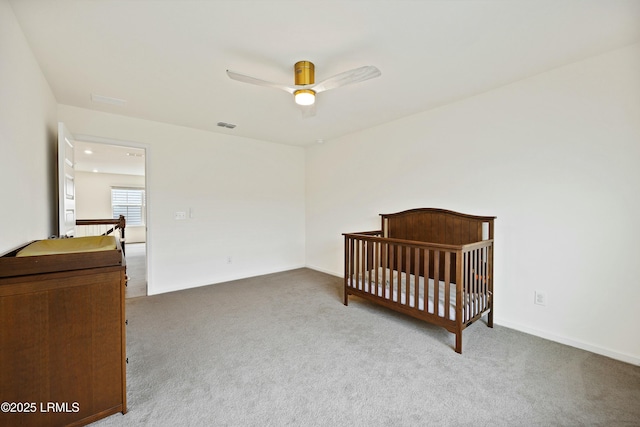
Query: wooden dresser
x,y
62,337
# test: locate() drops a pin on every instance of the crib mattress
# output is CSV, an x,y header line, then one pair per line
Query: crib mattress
x,y
401,291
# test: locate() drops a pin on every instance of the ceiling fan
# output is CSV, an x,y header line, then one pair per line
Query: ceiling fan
x,y
305,89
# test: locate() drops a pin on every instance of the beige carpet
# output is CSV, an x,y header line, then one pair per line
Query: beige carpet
x,y
282,350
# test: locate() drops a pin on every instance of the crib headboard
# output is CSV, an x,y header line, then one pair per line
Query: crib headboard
x,y
437,226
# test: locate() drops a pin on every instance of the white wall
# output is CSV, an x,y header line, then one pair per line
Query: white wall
x,y
93,194
28,133
555,157
247,198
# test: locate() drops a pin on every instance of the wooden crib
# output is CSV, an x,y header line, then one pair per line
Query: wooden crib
x,y
433,264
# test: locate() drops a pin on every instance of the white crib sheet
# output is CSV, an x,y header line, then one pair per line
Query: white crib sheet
x,y
401,286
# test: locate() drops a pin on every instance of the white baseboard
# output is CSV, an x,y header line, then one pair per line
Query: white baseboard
x,y
322,270
623,357
222,279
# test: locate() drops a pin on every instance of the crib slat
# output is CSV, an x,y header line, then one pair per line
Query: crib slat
x,y
392,252
485,290
368,267
416,277
436,281
459,286
385,257
447,283
467,287
363,264
358,279
469,290
485,286
407,275
476,287
481,281
362,251
351,261
474,284
399,273
374,269
426,280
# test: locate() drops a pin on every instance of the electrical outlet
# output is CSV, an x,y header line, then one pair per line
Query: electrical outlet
x,y
540,298
180,215
229,260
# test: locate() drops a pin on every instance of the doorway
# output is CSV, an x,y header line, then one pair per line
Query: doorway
x,y
110,180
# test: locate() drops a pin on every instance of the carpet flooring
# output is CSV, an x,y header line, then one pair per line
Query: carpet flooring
x,y
282,350
136,256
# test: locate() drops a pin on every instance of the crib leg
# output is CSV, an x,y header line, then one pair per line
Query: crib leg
x,y
490,318
346,298
459,342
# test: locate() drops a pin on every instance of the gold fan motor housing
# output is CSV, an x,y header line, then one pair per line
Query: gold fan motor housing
x,y
304,73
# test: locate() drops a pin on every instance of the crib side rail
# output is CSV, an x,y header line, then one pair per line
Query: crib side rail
x,y
396,269
421,279
377,236
477,273
352,257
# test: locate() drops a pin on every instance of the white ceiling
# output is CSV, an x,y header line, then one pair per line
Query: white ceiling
x,y
108,158
167,58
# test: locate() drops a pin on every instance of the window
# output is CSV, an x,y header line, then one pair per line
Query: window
x,y
129,202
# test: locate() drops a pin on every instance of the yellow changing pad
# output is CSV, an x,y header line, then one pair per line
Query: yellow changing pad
x,y
67,246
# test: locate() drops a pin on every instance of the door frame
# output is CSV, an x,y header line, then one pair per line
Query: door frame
x,y
148,192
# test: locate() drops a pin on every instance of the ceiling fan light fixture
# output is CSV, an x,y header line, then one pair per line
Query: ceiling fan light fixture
x,y
304,96
305,89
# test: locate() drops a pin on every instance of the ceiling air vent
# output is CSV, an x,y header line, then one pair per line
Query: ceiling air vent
x,y
226,125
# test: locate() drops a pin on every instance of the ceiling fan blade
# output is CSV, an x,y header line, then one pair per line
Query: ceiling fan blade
x,y
252,80
348,77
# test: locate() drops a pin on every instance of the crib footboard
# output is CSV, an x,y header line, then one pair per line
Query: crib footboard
x,y
447,285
